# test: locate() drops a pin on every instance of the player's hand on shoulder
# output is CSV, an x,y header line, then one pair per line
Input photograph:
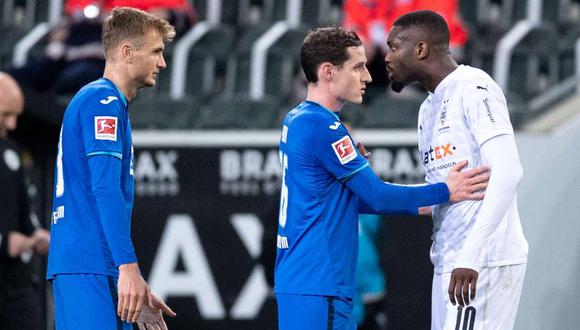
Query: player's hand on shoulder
x,y
151,316
468,184
132,291
463,286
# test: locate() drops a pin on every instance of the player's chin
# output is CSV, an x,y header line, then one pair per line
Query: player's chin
x,y
397,86
356,99
151,82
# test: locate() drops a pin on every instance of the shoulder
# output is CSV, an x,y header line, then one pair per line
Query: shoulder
x,y
97,97
475,81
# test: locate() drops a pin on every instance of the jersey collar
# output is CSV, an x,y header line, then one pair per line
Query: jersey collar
x,y
123,98
334,114
443,83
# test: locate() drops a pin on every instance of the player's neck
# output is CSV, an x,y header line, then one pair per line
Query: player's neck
x,y
120,80
324,98
439,71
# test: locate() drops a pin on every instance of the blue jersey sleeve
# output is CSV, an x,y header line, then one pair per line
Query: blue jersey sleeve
x,y
102,124
105,184
335,149
378,197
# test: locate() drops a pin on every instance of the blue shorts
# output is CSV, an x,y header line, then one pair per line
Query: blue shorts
x,y
310,312
86,301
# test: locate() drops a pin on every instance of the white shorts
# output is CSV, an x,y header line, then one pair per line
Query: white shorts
x,y
495,305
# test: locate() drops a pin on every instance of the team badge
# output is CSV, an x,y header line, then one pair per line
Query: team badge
x,y
106,128
344,150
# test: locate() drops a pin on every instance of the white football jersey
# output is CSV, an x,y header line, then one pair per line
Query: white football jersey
x,y
466,109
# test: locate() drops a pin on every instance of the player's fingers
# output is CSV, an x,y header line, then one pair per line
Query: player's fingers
x,y
457,167
465,293
123,306
479,187
137,311
133,302
476,171
141,326
166,309
151,299
482,178
459,293
473,288
451,290
162,324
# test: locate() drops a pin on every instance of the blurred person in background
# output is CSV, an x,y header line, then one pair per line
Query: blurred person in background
x,y
20,236
74,56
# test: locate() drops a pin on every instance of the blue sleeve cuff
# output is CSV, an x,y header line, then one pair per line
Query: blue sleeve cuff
x,y
108,153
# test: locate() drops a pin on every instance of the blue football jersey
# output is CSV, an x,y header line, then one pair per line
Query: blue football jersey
x,y
96,123
317,243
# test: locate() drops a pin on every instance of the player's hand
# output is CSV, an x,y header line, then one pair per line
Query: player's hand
x,y
151,316
462,286
363,151
18,243
41,238
467,184
132,291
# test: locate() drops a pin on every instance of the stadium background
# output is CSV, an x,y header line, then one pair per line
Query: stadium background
x,y
206,162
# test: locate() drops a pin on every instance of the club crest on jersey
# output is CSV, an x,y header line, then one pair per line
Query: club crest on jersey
x,y
344,150
106,128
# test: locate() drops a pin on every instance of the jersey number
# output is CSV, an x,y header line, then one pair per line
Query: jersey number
x,y
468,318
59,173
284,191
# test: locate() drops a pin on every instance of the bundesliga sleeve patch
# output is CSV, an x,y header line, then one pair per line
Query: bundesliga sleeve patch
x,y
105,128
344,150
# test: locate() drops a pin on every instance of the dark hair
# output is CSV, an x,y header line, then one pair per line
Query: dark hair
x,y
433,23
326,44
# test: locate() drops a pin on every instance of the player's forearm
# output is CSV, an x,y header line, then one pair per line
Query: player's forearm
x,y
379,197
500,154
105,177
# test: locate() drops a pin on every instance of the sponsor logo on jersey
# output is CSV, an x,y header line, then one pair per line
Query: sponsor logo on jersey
x,y
488,110
109,100
438,152
335,125
344,150
106,128
443,114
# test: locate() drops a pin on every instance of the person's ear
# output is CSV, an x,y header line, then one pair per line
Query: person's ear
x,y
325,71
422,50
127,52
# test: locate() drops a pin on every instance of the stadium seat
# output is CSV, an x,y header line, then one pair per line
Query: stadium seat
x,y
239,112
150,111
534,65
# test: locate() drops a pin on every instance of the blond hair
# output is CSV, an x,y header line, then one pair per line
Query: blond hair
x,y
130,24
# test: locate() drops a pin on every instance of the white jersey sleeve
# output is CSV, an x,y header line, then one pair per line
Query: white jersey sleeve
x,y
485,111
501,155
